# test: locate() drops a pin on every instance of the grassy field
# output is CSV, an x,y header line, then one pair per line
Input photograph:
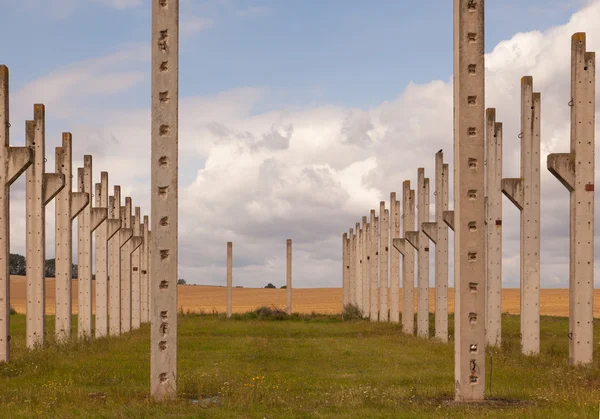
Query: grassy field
x,y
553,302
317,367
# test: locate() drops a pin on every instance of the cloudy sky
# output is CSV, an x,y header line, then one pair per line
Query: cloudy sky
x,y
296,118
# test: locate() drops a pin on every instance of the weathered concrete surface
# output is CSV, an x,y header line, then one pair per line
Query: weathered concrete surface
x,y
126,250
101,325
136,308
374,268
524,192
449,219
359,266
230,276
394,260
352,262
469,207
68,205
288,276
493,196
145,285
13,163
41,188
89,220
438,234
384,216
366,267
576,170
408,260
114,244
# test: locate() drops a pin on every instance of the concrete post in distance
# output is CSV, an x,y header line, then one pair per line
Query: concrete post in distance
x,y
524,192
136,319
408,260
359,268
366,267
374,269
438,233
89,220
68,205
40,190
576,171
101,326
383,262
230,277
469,209
394,260
145,285
13,163
288,276
352,262
493,196
114,244
128,245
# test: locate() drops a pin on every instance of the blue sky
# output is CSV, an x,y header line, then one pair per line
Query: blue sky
x,y
296,117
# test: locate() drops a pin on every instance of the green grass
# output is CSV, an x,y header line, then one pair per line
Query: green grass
x,y
303,367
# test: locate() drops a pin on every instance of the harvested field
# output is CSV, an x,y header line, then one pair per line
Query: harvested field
x,y
554,302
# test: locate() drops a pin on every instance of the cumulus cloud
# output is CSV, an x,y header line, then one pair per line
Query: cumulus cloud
x,y
257,178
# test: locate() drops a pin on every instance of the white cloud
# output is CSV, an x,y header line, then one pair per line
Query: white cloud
x,y
191,25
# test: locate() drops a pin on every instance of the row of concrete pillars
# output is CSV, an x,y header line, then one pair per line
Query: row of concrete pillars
x,y
127,236
288,278
478,228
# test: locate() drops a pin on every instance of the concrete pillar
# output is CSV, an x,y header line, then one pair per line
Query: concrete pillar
x,y
352,262
120,237
13,163
101,325
576,171
493,202
40,190
127,248
384,217
420,242
144,275
150,253
165,100
136,319
408,260
230,277
89,220
288,276
345,270
524,192
359,270
68,205
366,286
438,234
394,260
469,236
374,269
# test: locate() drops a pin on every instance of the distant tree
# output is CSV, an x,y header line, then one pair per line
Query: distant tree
x,y
269,285
181,281
283,287
50,268
17,264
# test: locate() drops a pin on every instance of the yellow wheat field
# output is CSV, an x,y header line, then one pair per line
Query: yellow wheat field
x,y
554,302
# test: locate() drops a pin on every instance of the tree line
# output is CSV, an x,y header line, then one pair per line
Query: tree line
x,y
18,266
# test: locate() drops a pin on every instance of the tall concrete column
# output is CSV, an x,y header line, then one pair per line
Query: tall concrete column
x,y
383,262
438,234
230,277
119,238
359,270
394,260
68,205
408,259
41,189
493,199
345,270
524,192
135,272
13,163
128,246
469,219
374,269
352,262
420,242
89,220
165,100
101,325
576,171
288,276
144,276
366,286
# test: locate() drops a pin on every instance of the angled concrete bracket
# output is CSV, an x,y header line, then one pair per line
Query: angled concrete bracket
x,y
512,188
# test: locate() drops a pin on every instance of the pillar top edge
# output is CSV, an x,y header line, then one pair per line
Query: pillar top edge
x,y
579,36
528,80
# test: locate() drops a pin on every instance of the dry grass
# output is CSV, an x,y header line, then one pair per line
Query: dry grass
x,y
554,302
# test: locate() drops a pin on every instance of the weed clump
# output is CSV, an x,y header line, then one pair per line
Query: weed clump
x,y
13,311
352,312
263,313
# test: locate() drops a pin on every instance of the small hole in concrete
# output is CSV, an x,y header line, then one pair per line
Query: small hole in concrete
x,y
472,100
473,348
162,191
164,254
164,314
473,286
472,37
162,345
163,285
163,161
163,96
472,256
473,318
164,66
472,194
163,377
164,221
472,68
472,131
164,130
473,226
